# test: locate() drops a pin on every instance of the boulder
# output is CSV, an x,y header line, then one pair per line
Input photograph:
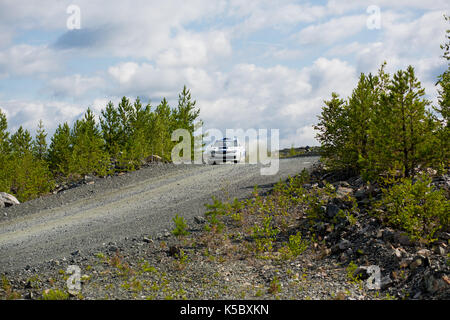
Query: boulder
x,y
153,158
7,200
332,210
343,192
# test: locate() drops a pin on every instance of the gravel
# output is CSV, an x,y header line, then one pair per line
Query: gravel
x,y
113,209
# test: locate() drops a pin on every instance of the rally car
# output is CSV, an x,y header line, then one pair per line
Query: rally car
x,y
225,150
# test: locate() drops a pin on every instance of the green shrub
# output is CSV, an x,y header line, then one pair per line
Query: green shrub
x,y
264,235
54,294
297,245
415,207
214,210
180,226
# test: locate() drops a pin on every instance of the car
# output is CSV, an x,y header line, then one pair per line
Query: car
x,y
225,150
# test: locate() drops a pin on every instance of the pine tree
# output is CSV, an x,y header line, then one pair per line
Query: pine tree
x,y
359,112
5,170
88,155
442,132
21,143
162,119
31,176
60,150
110,127
185,115
125,128
402,125
40,142
333,132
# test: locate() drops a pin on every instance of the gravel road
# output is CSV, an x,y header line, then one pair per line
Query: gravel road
x,y
114,208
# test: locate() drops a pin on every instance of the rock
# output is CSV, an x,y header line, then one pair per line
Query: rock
x,y
332,210
358,182
385,282
147,240
7,200
360,194
416,263
342,192
343,257
344,244
174,251
440,250
199,220
435,283
113,248
397,253
424,253
403,239
153,158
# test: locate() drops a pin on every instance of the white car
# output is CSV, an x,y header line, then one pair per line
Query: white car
x,y
225,150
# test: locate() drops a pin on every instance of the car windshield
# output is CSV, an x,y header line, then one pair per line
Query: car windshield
x,y
228,143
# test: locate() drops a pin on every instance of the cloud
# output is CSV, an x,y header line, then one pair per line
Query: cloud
x,y
74,85
28,113
27,60
152,48
333,30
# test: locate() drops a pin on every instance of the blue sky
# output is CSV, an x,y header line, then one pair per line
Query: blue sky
x,y
249,64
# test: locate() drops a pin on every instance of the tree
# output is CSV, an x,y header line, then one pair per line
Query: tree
x,y
359,112
40,142
400,127
442,133
110,126
185,115
5,171
31,176
88,155
21,142
162,123
60,150
333,132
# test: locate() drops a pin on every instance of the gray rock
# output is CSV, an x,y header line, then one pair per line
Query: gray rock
x,y
344,244
332,210
7,200
434,283
385,282
343,192
360,194
199,219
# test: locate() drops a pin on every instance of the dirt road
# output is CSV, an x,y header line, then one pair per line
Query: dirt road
x,y
136,204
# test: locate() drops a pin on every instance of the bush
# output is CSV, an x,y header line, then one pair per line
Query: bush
x,y
415,207
180,226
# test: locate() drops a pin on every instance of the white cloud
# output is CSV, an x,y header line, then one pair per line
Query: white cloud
x,y
26,60
74,85
28,113
195,49
124,71
333,30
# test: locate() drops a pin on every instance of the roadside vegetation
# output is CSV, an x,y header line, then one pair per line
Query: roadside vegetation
x,y
126,136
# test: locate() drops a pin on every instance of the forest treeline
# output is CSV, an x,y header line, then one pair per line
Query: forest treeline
x,y
390,134
387,125
125,135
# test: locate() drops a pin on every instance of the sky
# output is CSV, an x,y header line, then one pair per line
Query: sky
x,y
250,64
